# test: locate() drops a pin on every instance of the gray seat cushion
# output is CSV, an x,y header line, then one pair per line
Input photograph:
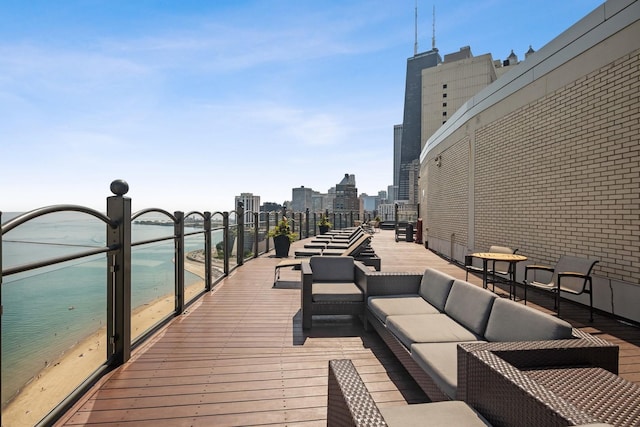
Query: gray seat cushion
x,y
440,361
389,305
435,287
470,305
336,292
419,328
510,321
332,268
435,414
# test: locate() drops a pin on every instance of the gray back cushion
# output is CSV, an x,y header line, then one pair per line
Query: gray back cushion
x,y
510,321
332,268
435,287
469,305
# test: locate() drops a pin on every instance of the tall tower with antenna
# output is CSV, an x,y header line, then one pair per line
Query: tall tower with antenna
x,y
415,43
433,36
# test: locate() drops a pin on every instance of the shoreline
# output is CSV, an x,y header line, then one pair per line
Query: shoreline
x,y
58,379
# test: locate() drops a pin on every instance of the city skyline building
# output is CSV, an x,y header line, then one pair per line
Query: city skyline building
x,y
346,199
301,199
251,205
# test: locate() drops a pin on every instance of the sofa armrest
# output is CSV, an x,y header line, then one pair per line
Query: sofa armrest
x,y
306,296
349,402
583,350
392,283
360,276
507,396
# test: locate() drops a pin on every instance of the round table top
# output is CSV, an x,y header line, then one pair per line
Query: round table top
x,y
494,256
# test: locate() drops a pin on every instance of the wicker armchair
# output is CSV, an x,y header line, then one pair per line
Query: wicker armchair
x,y
498,394
508,395
332,285
350,404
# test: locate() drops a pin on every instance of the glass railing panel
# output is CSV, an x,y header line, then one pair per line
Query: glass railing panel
x,y
194,265
233,246
54,318
152,285
217,254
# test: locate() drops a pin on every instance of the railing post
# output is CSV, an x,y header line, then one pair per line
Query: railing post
x,y
225,241
256,226
395,218
306,222
178,228
119,275
207,251
240,234
266,231
315,224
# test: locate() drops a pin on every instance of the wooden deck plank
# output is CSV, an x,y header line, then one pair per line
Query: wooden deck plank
x,y
239,356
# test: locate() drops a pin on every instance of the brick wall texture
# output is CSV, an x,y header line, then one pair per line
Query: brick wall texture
x,y
558,176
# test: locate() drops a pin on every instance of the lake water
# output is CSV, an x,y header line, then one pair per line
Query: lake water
x,y
47,311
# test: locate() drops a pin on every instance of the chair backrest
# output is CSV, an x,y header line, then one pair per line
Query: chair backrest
x,y
358,246
501,266
327,268
573,264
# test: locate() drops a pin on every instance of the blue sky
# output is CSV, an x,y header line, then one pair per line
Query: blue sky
x,y
193,102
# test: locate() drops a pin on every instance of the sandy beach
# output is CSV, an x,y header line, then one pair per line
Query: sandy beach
x,y
59,378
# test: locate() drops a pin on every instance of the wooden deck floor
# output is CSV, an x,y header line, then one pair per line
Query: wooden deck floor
x,y
239,356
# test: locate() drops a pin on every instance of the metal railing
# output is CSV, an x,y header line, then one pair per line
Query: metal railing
x,y
249,240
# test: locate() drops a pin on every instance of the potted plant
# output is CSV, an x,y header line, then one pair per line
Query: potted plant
x,y
376,222
282,238
324,225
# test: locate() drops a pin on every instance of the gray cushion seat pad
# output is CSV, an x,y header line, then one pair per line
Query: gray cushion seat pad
x,y
421,328
336,292
435,414
440,362
389,305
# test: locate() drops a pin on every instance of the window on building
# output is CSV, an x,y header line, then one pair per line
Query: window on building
x,y
444,86
444,95
444,104
444,114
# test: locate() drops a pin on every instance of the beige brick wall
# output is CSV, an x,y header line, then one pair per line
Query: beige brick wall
x,y
562,175
447,202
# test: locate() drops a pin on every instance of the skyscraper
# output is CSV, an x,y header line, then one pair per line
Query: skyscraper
x,y
410,144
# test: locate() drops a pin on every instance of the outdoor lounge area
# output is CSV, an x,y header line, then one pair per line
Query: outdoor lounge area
x,y
241,357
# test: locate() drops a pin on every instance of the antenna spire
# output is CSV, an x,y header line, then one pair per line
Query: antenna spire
x,y
415,43
433,37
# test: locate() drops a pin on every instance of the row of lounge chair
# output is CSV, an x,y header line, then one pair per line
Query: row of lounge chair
x,y
354,243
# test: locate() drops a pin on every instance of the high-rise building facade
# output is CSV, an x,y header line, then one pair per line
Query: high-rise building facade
x,y
448,86
251,204
301,199
346,199
410,145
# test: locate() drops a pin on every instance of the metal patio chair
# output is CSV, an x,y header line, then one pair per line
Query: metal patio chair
x,y
571,274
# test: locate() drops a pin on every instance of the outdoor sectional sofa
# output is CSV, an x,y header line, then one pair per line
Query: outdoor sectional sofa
x,y
431,322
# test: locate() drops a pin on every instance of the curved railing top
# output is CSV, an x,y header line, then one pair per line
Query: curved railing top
x,y
36,213
154,210
201,214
